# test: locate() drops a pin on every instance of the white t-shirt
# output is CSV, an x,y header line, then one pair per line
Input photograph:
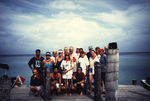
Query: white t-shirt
x,y
98,56
83,62
67,65
78,54
92,61
53,58
74,60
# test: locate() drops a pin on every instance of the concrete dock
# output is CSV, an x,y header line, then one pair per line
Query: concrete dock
x,y
125,93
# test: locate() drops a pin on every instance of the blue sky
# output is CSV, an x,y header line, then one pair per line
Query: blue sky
x,y
26,25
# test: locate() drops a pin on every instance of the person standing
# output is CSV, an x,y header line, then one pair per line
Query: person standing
x,y
54,57
103,68
36,83
48,62
59,61
97,52
77,52
83,63
89,53
106,48
36,61
67,68
92,60
65,50
74,59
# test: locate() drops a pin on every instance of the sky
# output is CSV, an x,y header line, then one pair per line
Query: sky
x,y
27,25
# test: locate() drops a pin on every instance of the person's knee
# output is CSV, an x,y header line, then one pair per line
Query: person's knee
x,y
82,85
52,88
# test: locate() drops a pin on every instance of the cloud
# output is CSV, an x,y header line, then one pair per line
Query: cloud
x,y
65,5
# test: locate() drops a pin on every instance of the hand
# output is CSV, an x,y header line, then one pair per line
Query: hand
x,y
74,78
104,68
65,71
78,82
75,84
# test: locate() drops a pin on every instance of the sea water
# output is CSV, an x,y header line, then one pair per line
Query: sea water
x,y
131,66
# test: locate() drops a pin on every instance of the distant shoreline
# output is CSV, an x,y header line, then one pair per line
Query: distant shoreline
x,y
44,54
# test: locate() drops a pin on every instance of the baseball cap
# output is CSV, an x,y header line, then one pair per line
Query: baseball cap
x,y
79,68
90,47
48,53
101,50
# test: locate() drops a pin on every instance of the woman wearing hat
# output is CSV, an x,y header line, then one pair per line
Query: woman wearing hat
x,y
48,62
59,61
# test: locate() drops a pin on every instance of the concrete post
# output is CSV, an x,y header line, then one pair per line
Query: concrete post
x,y
47,92
112,68
97,82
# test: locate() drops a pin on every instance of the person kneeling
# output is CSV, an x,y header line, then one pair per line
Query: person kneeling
x,y
36,83
55,78
78,80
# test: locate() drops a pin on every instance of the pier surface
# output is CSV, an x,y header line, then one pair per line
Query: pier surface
x,y
125,93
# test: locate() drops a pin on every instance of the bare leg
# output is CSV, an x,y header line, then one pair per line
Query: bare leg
x,y
34,90
90,83
69,82
65,85
82,88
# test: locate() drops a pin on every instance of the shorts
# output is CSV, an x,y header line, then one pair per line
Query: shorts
x,y
39,88
91,71
67,76
56,85
103,76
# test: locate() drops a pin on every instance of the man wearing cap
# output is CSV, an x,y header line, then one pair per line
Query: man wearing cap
x,y
36,61
54,57
103,68
78,80
89,53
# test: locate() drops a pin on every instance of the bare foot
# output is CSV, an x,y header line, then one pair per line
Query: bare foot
x,y
70,94
65,93
81,93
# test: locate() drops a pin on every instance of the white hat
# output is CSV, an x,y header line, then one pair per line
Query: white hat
x,y
60,51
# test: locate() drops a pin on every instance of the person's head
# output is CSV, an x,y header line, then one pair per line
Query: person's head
x,y
77,49
82,54
65,49
55,69
38,51
92,53
90,48
48,54
34,71
81,50
54,53
67,56
97,50
101,52
60,52
106,48
71,50
79,70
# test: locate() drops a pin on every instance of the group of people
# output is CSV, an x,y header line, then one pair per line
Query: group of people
x,y
69,71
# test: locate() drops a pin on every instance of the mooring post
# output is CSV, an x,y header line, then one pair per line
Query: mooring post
x,y
112,68
97,82
47,92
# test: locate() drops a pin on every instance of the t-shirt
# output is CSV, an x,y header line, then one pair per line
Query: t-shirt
x,y
79,77
83,63
53,58
98,56
67,65
37,63
92,61
38,81
88,55
74,60
103,63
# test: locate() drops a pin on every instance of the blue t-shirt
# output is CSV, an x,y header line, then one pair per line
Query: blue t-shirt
x,y
103,63
50,66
